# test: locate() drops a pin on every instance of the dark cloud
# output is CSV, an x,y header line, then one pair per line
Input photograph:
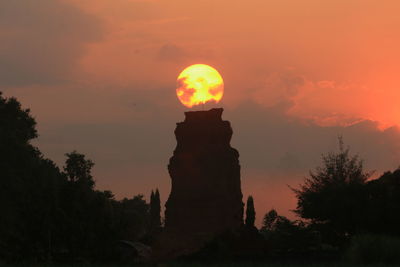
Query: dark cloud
x,y
42,40
269,140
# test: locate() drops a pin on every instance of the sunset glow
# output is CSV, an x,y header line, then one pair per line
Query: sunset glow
x,y
199,84
102,78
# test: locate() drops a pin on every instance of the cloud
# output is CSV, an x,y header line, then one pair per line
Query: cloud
x,y
279,88
42,41
269,140
326,102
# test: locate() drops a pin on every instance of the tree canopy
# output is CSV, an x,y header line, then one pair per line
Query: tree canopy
x,y
53,215
333,194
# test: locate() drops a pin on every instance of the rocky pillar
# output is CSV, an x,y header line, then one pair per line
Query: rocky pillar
x,y
206,197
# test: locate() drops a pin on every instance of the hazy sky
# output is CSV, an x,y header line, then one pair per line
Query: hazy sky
x,y
100,77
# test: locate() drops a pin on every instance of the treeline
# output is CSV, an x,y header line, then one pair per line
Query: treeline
x,y
48,214
343,215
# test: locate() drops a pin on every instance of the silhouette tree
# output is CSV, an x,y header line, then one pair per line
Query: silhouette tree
x,y
133,218
28,187
268,220
286,236
17,125
155,210
89,227
50,215
78,169
333,195
250,213
151,198
383,213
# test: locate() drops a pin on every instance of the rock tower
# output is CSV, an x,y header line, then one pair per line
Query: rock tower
x,y
206,197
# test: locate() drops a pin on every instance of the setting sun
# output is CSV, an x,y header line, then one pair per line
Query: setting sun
x,y
199,84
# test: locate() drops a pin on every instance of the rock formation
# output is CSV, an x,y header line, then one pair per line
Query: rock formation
x,y
206,198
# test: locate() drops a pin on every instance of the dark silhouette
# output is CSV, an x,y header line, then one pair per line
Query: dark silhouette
x,y
383,210
291,240
155,211
29,188
78,169
332,197
205,198
52,216
377,239
88,224
269,221
250,213
133,218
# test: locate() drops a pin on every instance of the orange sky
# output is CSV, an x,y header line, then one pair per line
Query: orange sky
x,y
350,46
100,76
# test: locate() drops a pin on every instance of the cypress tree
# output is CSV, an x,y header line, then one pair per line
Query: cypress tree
x,y
250,212
151,200
155,209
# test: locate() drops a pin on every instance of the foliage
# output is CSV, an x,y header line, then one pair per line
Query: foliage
x,y
17,125
132,218
339,202
285,235
155,211
29,186
50,215
78,169
383,212
88,227
334,193
250,212
269,220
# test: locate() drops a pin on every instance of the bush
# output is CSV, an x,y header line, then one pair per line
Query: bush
x,y
370,248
